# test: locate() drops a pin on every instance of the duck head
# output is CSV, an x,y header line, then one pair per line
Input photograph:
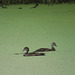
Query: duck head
x,y
26,49
53,44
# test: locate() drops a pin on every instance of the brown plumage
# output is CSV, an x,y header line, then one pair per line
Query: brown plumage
x,y
47,49
32,53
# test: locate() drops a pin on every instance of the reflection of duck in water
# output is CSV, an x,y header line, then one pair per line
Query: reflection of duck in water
x,y
31,54
47,49
36,4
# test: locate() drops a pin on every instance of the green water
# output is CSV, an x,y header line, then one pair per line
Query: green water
x,y
37,28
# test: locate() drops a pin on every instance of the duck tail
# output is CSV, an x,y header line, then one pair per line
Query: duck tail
x,y
42,53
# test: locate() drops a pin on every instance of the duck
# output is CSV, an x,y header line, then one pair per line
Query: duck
x,y
32,53
47,49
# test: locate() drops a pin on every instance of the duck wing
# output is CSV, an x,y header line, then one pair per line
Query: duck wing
x,y
42,50
37,54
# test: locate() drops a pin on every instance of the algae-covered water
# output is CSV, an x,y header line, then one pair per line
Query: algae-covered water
x,y
37,28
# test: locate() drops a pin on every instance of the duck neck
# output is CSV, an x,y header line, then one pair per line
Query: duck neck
x,y
52,48
27,51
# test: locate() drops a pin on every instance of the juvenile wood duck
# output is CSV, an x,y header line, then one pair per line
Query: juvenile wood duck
x,y
47,49
32,53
